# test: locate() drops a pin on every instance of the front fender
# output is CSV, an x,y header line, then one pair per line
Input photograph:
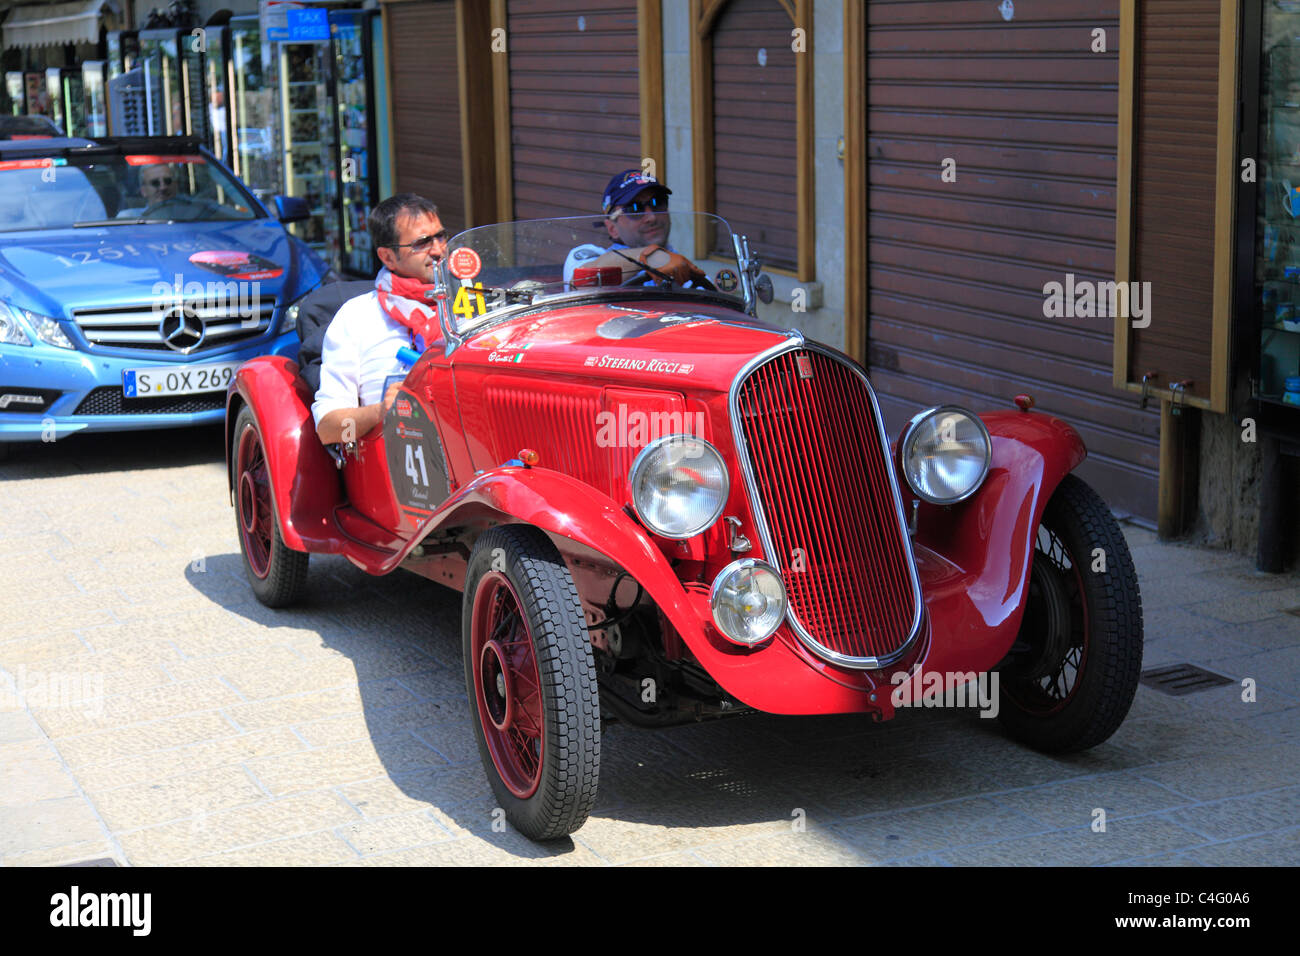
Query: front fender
x,y
974,558
304,480
773,677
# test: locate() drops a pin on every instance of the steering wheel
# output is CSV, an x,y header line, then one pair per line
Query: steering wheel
x,y
649,272
184,205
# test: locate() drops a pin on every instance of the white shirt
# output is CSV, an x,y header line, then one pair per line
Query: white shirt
x,y
359,352
580,254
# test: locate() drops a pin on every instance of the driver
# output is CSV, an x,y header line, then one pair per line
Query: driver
x,y
636,218
158,182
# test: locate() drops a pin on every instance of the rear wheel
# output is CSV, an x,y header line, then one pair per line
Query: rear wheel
x,y
1071,677
531,681
276,572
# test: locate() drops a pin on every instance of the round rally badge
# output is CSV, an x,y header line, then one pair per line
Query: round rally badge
x,y
236,264
465,263
726,280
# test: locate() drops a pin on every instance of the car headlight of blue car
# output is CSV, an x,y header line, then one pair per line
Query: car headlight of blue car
x,y
46,329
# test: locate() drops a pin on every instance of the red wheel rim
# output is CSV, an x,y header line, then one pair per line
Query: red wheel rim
x,y
1050,694
254,503
507,685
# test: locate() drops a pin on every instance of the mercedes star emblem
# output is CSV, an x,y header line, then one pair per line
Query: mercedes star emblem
x,y
182,330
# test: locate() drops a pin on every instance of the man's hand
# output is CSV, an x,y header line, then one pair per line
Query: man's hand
x,y
680,269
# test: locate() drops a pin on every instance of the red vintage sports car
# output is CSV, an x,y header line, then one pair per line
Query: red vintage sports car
x,y
658,507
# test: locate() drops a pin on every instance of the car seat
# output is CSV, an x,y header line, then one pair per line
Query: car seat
x,y
315,312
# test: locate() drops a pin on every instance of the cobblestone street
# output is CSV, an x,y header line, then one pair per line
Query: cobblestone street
x,y
152,712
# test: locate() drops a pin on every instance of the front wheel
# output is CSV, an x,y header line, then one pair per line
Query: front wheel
x,y
531,681
1071,676
276,572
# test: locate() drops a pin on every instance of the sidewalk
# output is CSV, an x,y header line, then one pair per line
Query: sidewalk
x,y
168,718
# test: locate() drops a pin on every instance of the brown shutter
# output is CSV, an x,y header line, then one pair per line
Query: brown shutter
x,y
755,172
1175,189
957,269
426,106
574,102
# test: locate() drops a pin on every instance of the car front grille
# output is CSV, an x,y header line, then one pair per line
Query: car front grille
x,y
829,511
138,326
108,400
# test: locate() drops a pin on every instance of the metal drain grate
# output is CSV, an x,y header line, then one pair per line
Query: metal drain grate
x,y
1179,679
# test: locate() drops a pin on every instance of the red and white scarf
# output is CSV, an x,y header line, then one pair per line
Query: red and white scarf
x,y
410,303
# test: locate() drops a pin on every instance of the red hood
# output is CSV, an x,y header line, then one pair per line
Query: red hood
x,y
685,345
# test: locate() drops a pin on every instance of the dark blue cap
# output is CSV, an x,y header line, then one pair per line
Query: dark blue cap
x,y
625,187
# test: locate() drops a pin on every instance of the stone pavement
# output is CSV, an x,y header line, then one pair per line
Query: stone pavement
x,y
157,714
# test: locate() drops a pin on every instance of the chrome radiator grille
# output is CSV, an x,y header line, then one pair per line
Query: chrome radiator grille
x,y
141,326
820,476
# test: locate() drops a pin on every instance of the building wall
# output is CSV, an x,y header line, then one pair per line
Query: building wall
x,y
822,314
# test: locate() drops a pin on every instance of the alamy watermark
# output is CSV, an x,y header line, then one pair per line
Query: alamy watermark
x,y
72,690
633,428
242,298
917,688
1084,299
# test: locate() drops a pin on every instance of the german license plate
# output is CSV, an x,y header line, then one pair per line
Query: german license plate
x,y
177,379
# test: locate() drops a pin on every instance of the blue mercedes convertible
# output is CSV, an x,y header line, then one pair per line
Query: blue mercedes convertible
x,y
136,275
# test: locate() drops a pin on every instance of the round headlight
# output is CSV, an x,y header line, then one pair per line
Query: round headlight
x,y
748,601
679,485
945,454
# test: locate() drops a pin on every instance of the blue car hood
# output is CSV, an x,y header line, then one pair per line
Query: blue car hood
x,y
56,271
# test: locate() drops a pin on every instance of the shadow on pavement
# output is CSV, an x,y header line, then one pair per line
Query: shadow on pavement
x,y
748,776
106,452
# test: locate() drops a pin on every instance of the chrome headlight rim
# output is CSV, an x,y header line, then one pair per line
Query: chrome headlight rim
x,y
17,334
909,431
646,454
747,564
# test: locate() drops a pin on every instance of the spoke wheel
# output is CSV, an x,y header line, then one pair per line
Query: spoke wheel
x,y
507,686
276,572
531,682
1073,673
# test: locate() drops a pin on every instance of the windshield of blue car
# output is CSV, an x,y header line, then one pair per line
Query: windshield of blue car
x,y
58,192
491,269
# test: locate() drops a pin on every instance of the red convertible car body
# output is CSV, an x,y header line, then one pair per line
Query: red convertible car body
x,y
815,570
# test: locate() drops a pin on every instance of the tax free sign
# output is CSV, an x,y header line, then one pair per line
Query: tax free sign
x,y
288,21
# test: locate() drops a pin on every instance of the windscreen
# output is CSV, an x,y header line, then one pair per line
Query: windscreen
x,y
59,193
496,267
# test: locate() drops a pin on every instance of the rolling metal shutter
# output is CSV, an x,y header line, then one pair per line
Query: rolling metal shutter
x,y
574,102
1175,147
957,270
426,106
754,132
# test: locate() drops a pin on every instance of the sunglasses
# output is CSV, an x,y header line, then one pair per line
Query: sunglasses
x,y
155,183
655,204
424,242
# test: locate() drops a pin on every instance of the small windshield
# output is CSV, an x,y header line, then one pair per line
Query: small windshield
x,y
518,263
45,192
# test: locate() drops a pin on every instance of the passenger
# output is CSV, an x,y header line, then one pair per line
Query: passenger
x,y
636,218
361,343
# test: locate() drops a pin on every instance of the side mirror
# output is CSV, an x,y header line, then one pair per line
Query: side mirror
x,y
763,289
291,208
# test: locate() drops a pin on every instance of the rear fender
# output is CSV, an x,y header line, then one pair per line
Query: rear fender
x,y
304,480
974,558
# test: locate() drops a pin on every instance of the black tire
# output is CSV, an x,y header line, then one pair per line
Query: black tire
x,y
1074,671
553,773
276,572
